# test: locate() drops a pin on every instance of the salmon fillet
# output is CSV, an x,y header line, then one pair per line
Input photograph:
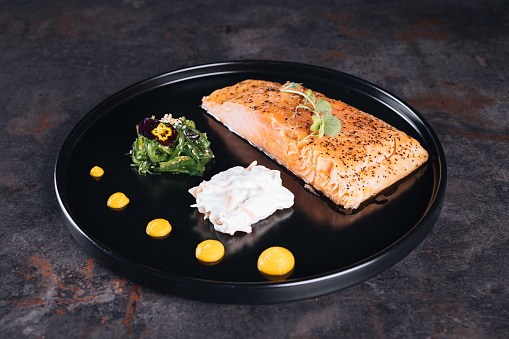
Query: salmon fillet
x,y
366,157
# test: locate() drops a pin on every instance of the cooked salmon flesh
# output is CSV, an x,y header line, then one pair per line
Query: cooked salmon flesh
x,y
366,157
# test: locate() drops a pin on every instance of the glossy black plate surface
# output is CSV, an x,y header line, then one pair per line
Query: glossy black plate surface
x,y
332,250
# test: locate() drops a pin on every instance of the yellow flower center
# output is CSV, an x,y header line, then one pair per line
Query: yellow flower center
x,y
162,132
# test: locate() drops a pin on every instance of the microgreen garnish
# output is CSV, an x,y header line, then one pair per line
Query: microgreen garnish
x,y
323,120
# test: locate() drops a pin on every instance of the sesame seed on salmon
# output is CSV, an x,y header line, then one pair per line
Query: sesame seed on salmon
x,y
367,156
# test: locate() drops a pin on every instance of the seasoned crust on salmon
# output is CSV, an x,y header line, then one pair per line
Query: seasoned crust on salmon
x,y
367,156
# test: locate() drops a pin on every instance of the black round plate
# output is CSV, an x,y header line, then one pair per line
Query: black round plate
x,y
332,250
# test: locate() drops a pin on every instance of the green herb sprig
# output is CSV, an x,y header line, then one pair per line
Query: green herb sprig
x,y
324,123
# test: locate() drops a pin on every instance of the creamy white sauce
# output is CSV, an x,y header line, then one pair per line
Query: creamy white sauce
x,y
235,199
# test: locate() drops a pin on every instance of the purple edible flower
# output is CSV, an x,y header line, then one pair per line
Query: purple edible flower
x,y
153,129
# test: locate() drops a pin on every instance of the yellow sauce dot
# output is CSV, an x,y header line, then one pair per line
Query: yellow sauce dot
x,y
96,172
158,228
118,200
210,251
276,261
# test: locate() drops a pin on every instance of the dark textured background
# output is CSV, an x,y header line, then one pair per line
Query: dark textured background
x,y
448,59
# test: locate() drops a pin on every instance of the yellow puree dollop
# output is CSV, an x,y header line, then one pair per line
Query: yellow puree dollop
x,y
210,251
158,228
96,172
117,200
276,261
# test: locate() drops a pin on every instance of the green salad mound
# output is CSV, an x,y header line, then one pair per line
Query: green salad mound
x,y
171,145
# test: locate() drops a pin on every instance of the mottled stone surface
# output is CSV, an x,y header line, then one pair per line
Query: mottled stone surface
x,y
448,59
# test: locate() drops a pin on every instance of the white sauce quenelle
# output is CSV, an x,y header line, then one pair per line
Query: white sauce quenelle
x,y
235,199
